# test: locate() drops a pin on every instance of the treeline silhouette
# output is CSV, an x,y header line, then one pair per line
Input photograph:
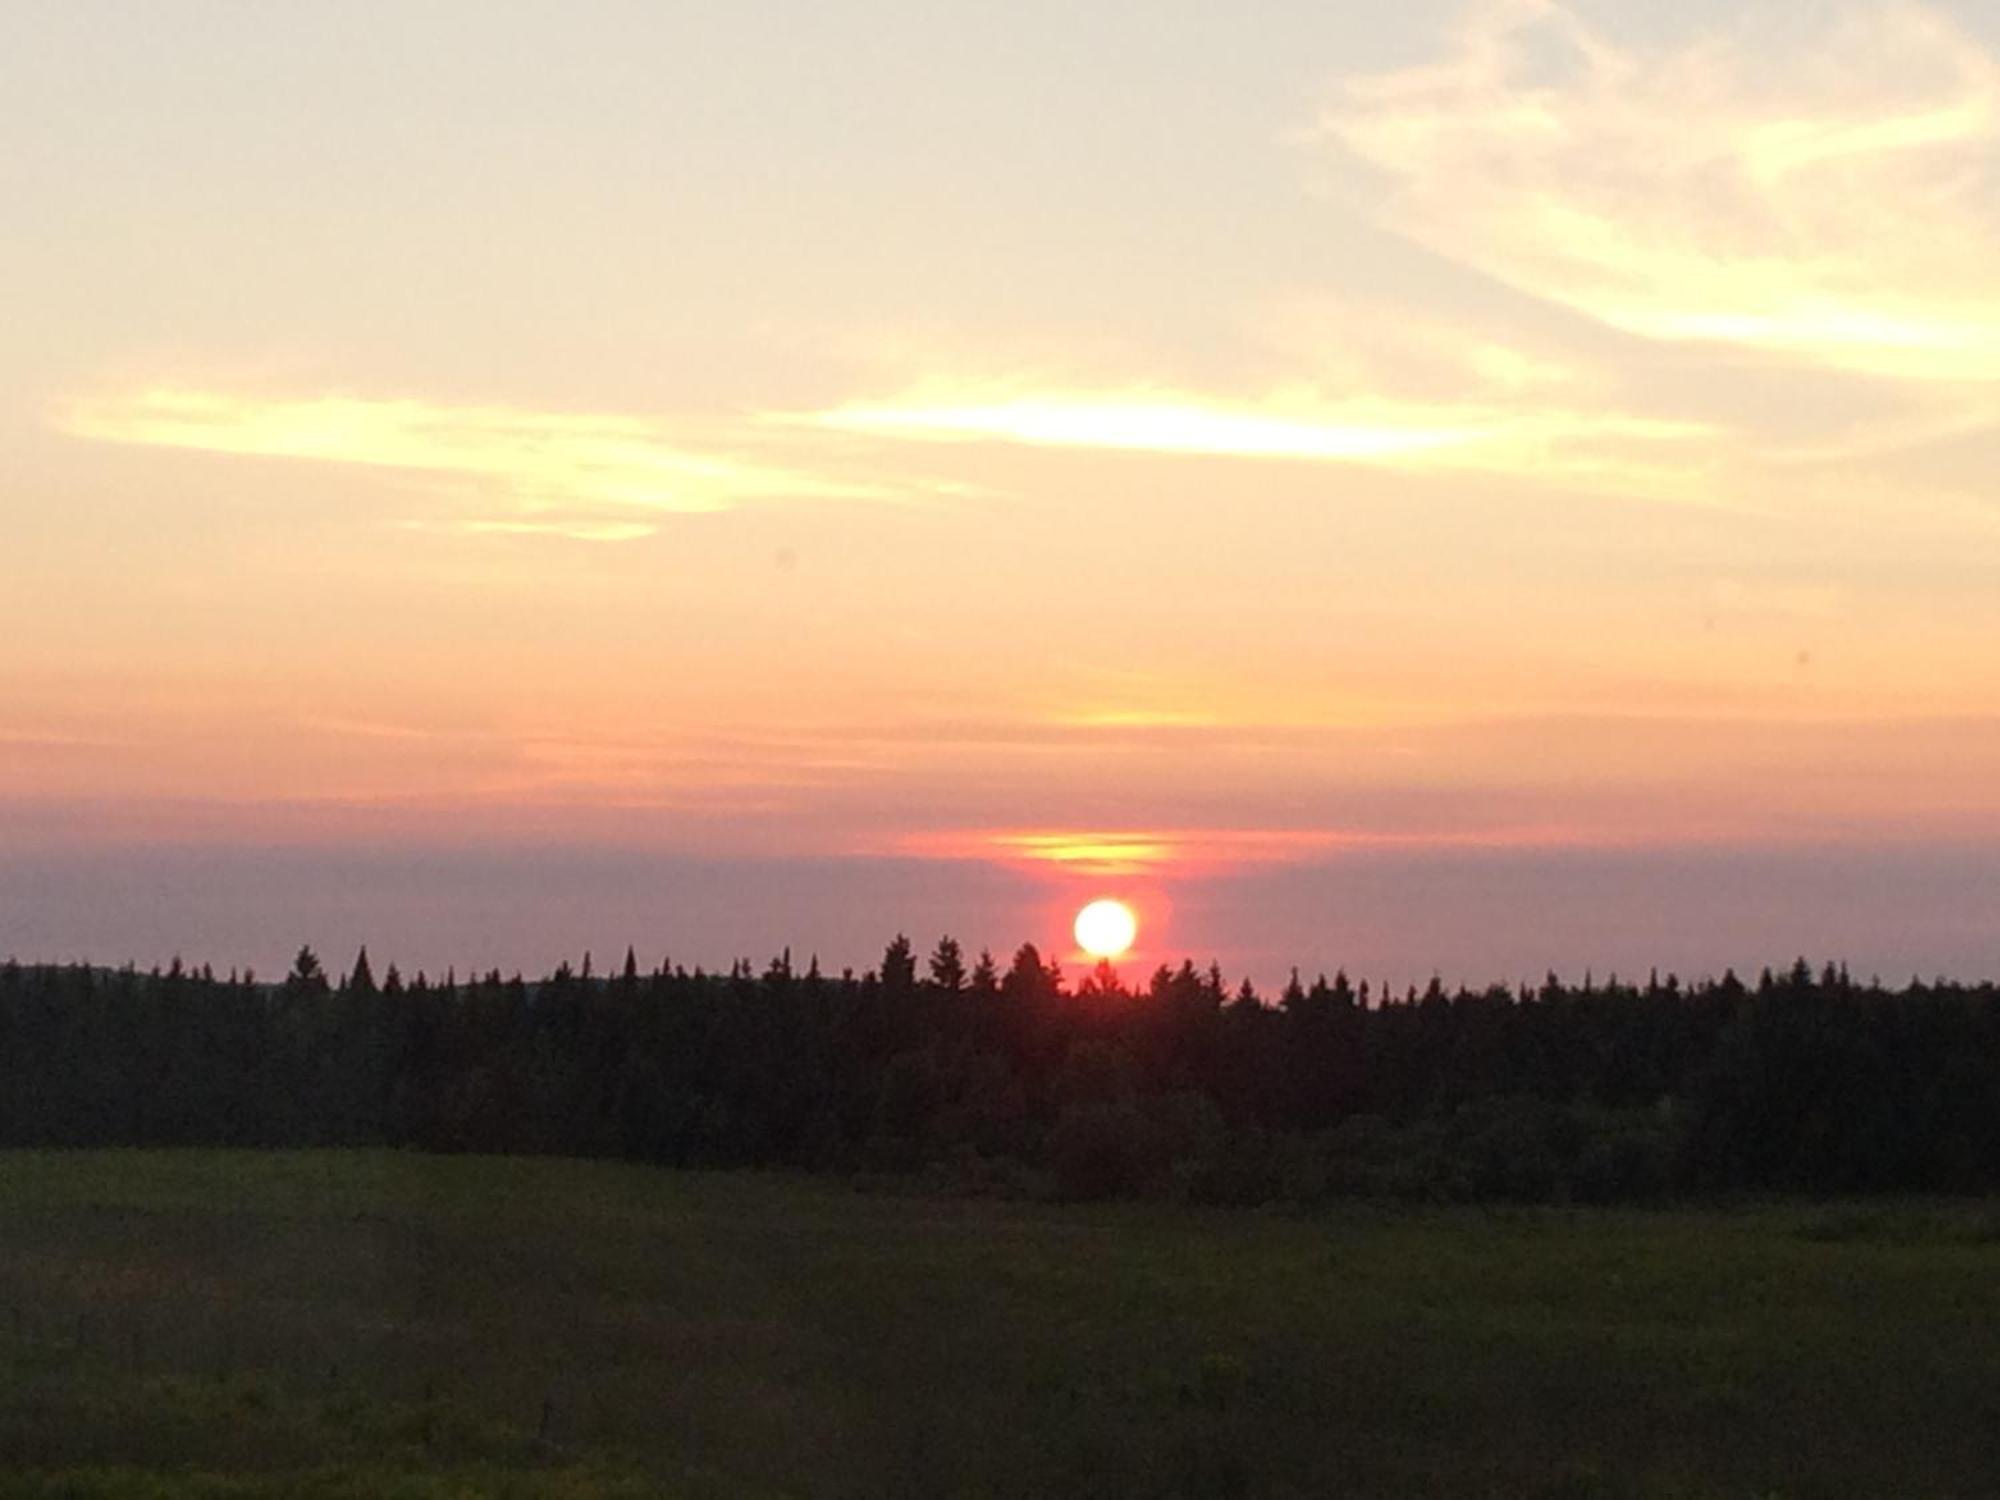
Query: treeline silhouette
x,y
1016,1081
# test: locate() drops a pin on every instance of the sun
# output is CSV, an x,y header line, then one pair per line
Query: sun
x,y
1105,929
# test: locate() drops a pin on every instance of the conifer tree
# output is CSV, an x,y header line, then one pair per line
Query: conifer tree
x,y
307,976
948,965
985,979
899,967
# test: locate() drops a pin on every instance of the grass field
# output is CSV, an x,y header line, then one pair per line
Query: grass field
x,y
337,1324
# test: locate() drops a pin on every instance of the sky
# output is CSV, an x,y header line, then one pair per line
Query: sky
x,y
1456,487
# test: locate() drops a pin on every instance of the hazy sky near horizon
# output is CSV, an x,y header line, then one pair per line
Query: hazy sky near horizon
x,y
1447,485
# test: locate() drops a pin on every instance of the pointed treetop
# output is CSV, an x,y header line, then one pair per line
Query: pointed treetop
x,y
948,965
985,977
899,965
307,973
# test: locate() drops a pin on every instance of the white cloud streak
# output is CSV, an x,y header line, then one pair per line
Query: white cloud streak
x,y
1642,456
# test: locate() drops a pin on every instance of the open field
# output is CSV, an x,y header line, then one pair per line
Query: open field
x,y
340,1324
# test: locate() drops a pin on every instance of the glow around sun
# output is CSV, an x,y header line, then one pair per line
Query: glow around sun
x,y
1105,929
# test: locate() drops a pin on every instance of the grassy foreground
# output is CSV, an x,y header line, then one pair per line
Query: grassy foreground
x,y
343,1324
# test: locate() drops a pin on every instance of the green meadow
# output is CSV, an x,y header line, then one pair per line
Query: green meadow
x,y
192,1323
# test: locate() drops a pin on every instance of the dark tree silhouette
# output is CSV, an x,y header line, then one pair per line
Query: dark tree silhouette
x,y
307,976
948,965
899,967
1810,1081
362,979
985,980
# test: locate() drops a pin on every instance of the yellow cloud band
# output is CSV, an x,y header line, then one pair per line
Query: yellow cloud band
x,y
593,477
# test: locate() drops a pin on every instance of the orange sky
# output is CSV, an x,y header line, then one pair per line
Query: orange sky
x,y
1021,448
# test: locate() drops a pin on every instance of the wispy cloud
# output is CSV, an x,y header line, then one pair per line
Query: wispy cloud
x,y
1108,853
1189,851
1829,197
1419,354
571,528
588,477
53,740
1160,423
1639,454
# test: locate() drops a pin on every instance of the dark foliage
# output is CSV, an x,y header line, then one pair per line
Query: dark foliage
x,y
1806,1082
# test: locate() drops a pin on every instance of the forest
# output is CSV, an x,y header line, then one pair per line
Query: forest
x,y
969,1077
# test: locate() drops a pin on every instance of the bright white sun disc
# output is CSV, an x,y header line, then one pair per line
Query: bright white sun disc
x,y
1105,929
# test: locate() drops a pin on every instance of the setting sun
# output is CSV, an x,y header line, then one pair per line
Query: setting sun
x,y
1105,929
